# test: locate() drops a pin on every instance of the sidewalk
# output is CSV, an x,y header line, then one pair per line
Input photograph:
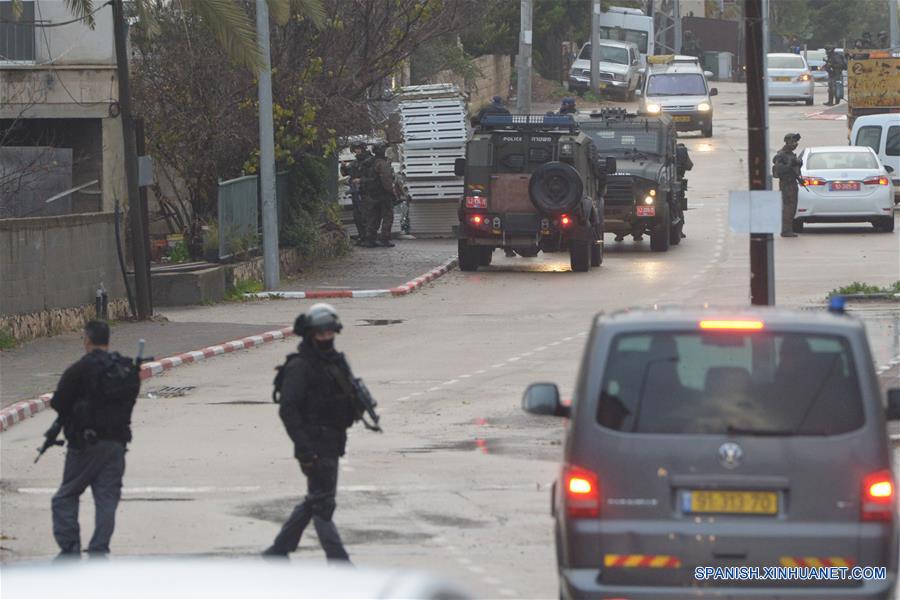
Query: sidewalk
x,y
34,368
374,268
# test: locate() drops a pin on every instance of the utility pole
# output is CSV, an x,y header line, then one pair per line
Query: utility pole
x,y
523,85
135,217
894,15
271,265
595,46
762,255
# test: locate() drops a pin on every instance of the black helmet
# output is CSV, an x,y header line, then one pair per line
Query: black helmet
x,y
319,317
828,47
792,137
379,150
497,100
357,144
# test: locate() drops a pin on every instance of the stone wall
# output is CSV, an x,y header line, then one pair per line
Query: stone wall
x,y
50,269
494,80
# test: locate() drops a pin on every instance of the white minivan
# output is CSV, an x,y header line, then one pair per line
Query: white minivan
x,y
881,133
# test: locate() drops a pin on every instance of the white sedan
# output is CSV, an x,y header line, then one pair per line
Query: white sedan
x,y
845,184
788,78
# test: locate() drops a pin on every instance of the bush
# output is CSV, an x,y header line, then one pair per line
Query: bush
x,y
865,288
308,211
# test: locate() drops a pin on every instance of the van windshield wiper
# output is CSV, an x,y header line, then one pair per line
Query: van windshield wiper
x,y
732,430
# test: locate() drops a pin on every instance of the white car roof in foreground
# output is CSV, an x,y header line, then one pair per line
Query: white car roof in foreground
x,y
217,578
816,149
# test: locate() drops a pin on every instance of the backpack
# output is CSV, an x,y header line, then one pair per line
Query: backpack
x,y
279,378
106,409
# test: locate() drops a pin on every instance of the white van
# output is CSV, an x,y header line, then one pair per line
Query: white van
x,y
881,133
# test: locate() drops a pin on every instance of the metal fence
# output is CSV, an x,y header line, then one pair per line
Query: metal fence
x,y
238,216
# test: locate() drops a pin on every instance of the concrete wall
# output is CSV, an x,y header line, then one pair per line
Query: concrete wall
x,y
494,80
74,43
57,262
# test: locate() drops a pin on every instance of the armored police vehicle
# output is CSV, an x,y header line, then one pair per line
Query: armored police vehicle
x,y
533,183
646,194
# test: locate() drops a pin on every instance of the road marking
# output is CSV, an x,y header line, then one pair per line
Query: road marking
x,y
433,389
466,376
540,348
480,372
416,394
403,398
514,359
497,366
451,382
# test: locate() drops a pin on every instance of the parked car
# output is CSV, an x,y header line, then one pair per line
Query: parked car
x,y
619,69
751,437
816,61
679,89
788,78
881,133
845,184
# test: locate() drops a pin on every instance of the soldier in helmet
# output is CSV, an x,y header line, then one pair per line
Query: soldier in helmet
x,y
786,167
567,107
354,171
378,185
316,407
834,66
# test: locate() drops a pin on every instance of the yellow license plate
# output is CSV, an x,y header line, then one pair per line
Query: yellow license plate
x,y
782,78
602,85
729,502
681,119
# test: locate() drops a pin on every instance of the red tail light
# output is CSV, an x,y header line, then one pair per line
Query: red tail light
x,y
808,181
476,219
877,181
476,202
582,493
878,497
565,220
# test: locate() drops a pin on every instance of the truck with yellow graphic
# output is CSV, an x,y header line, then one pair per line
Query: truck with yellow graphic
x,y
873,83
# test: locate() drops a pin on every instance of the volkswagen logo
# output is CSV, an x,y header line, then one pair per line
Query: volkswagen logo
x,y
730,455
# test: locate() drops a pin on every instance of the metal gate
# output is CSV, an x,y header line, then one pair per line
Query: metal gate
x,y
238,215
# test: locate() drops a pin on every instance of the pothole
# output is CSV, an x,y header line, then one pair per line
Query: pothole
x,y
378,322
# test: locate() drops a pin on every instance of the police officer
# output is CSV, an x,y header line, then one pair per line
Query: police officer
x,y
378,183
354,171
567,107
786,167
834,66
316,408
494,108
96,455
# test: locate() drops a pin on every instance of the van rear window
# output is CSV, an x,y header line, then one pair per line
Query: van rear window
x,y
718,382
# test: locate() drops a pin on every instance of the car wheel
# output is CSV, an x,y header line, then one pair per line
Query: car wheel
x,y
707,131
597,253
469,256
659,236
580,255
809,101
885,225
485,255
797,226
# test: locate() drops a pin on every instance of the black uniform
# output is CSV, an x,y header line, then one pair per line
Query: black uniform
x,y
834,66
786,167
354,171
98,462
316,409
491,109
378,185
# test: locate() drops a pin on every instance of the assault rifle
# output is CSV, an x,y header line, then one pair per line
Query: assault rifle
x,y
362,398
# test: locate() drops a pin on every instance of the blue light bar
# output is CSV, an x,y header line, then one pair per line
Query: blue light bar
x,y
562,121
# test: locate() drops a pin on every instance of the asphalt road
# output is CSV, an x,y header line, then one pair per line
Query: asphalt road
x,y
459,483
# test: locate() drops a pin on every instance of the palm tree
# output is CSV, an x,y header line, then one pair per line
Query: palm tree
x,y
234,30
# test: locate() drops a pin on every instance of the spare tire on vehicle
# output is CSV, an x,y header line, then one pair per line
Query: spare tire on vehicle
x,y
555,188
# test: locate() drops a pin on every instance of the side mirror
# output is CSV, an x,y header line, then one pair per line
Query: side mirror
x,y
889,168
893,405
543,399
708,74
459,167
714,92
638,93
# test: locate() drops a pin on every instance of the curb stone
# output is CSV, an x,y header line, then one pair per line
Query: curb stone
x,y
20,411
402,290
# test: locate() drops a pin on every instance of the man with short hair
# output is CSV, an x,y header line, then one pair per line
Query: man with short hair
x,y
97,428
786,167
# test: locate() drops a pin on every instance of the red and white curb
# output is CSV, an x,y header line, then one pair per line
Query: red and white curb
x,y
20,411
406,288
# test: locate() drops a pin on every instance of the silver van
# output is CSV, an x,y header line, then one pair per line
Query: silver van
x,y
709,452
679,89
619,66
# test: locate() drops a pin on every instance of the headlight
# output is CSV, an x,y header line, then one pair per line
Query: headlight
x,y
619,76
653,108
648,200
804,77
704,107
